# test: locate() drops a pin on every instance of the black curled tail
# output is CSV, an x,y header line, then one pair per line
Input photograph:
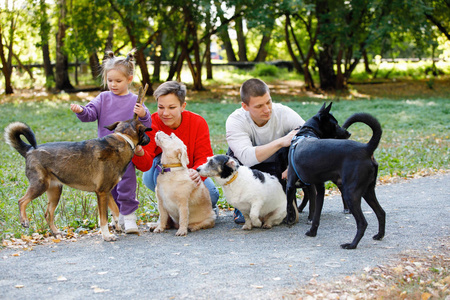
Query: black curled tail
x,y
370,121
12,137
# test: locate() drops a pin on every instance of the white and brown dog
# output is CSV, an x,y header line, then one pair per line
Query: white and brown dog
x,y
180,199
258,195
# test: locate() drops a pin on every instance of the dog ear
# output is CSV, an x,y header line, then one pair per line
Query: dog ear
x,y
327,110
112,126
182,155
231,163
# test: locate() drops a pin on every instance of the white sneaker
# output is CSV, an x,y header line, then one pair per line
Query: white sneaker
x,y
130,223
121,221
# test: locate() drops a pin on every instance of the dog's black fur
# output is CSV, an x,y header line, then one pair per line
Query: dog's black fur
x,y
319,156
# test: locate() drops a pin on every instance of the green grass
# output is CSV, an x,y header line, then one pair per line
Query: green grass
x,y
415,139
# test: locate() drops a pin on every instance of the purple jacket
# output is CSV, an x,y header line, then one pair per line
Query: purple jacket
x,y
108,108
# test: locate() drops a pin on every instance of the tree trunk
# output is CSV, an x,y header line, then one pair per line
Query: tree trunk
x,y
366,63
326,71
300,67
157,58
94,64
325,59
242,52
208,65
48,69
262,52
142,63
226,41
44,33
62,66
6,66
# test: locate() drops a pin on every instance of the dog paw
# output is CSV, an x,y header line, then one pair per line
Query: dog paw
x,y
267,226
158,229
247,227
256,223
311,233
110,238
348,246
181,232
378,237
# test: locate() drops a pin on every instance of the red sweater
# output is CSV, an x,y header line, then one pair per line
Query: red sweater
x,y
194,133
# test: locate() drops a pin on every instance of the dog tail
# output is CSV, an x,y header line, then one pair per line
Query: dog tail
x,y
12,137
370,121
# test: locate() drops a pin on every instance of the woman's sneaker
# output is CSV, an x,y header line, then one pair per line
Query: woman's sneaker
x,y
130,223
238,217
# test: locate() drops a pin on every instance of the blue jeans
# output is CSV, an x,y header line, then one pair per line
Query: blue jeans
x,y
149,179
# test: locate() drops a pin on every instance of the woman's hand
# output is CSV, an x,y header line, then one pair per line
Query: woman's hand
x,y
139,110
195,176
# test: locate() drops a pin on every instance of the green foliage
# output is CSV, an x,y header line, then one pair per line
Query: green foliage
x,y
264,70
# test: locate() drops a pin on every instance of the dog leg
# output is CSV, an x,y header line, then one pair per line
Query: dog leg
x,y
248,222
318,199
255,211
36,188
205,224
183,210
53,196
163,215
353,200
276,217
102,203
371,199
115,213
291,190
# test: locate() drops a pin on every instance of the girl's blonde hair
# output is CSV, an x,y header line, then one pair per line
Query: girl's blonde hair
x,y
119,63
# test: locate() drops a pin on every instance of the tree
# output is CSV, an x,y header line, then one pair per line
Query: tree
x,y
134,16
6,57
62,65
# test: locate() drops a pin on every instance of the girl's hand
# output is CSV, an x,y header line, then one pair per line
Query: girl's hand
x,y
139,151
76,108
139,110
195,176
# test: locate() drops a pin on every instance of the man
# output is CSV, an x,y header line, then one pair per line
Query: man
x,y
260,132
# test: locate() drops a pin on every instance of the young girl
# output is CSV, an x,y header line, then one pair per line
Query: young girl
x,y
118,104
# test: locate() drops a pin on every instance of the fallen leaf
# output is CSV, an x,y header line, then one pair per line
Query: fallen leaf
x,y
425,296
19,286
62,278
257,286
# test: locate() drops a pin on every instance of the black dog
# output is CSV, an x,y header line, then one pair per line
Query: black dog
x,y
317,156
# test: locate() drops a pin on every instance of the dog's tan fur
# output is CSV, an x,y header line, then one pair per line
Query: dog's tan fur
x,y
188,205
94,165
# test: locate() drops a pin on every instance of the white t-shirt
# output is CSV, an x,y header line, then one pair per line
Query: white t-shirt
x,y
243,135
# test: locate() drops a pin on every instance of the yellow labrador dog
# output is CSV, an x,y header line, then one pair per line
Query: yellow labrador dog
x,y
187,204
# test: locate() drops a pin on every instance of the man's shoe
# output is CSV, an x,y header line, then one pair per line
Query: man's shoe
x,y
238,217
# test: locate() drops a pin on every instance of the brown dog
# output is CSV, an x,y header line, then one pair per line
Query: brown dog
x,y
94,166
179,198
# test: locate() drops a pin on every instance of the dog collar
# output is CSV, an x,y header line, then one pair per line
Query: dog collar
x,y
232,178
126,139
167,168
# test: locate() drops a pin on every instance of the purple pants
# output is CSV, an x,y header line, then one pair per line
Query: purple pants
x,y
124,193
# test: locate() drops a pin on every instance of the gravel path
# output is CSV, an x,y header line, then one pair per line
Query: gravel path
x,y
226,262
